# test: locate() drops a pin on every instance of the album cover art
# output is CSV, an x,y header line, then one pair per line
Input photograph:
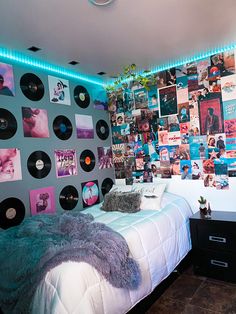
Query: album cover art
x,y
105,157
174,152
211,119
229,109
120,118
185,128
59,91
90,193
168,101
191,68
66,163
162,124
164,153
228,87
208,166
184,151
162,138
181,70
193,83
140,98
7,86
99,99
84,126
222,182
139,162
182,82
120,170
173,123
214,73
215,86
42,201
161,79
165,169
125,130
175,167
182,95
35,122
10,165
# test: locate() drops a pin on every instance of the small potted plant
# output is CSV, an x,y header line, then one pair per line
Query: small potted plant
x,y
203,208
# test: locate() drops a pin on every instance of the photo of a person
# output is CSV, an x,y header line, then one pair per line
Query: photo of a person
x,y
59,91
220,142
10,166
186,173
4,90
209,180
211,141
196,171
211,122
119,119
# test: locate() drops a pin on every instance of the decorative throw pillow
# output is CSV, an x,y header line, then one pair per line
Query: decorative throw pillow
x,y
151,195
121,188
126,202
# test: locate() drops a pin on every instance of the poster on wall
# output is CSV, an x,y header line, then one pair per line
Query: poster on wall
x,y
168,101
228,87
211,120
35,122
140,98
90,193
42,201
152,98
10,165
7,86
99,99
66,163
84,126
59,91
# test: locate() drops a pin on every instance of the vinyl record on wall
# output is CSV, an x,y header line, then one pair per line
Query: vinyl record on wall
x,y
87,160
62,127
106,185
32,87
39,164
81,96
68,197
12,212
102,129
8,124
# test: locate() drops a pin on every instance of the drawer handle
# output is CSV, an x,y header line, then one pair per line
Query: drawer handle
x,y
217,239
219,263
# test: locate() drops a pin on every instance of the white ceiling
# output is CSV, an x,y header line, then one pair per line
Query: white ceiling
x,y
145,32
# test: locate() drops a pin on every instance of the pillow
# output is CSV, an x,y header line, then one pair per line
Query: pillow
x,y
126,202
151,195
121,188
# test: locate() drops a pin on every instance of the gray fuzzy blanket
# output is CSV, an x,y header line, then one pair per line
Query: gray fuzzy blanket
x,y
42,242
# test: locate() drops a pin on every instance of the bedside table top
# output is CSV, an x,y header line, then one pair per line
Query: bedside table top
x,y
217,216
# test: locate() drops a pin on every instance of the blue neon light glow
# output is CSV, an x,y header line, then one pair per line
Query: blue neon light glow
x,y
39,64
184,60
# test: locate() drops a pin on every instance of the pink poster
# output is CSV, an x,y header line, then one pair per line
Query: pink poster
x,y
42,201
10,165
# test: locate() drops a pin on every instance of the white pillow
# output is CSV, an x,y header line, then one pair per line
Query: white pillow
x,y
151,195
121,188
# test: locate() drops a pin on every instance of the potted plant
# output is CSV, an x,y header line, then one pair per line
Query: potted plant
x,y
203,208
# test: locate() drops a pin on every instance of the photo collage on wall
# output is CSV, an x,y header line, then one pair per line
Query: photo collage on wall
x,y
33,122
184,124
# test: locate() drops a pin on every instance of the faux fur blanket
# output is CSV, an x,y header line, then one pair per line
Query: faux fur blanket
x,y
30,250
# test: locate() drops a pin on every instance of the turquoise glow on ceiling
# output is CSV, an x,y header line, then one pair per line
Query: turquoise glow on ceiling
x,y
20,58
184,60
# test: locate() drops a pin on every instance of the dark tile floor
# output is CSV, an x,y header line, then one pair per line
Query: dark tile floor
x,y
190,294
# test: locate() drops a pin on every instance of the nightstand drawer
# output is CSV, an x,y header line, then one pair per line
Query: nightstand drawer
x,y
216,237
219,265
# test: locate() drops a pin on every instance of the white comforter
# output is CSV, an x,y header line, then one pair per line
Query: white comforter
x,y
158,241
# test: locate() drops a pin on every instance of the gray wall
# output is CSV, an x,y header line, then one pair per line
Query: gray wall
x,y
20,189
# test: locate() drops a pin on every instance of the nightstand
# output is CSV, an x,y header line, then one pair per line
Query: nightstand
x,y
214,245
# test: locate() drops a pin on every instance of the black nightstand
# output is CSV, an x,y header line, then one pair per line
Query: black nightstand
x,y
214,245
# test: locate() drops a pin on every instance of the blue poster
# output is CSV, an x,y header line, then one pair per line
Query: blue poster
x,y
198,147
229,109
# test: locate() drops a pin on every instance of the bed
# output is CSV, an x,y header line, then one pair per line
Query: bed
x,y
158,241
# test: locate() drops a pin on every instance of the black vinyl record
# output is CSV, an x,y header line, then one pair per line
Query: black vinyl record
x,y
106,185
39,164
87,160
81,96
32,87
68,197
8,124
12,212
62,127
102,129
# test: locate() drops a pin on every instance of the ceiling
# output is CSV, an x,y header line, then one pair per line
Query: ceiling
x,y
144,32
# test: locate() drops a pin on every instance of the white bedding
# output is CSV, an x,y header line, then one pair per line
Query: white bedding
x,y
158,241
